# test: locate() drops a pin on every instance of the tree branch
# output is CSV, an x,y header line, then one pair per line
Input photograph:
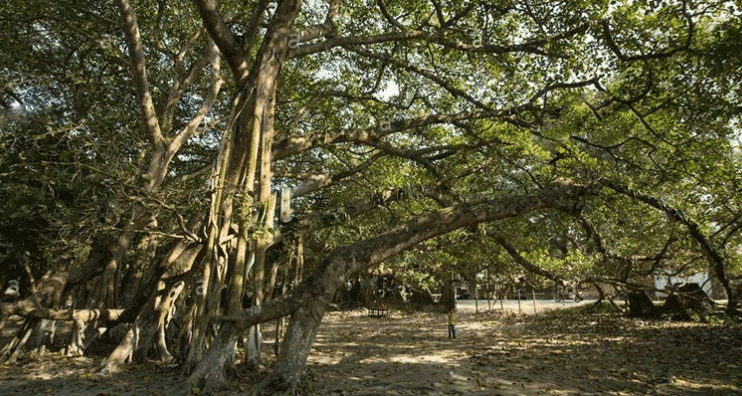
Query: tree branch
x,y
435,38
180,85
522,261
28,309
192,129
349,259
714,256
223,38
139,73
294,145
252,27
388,17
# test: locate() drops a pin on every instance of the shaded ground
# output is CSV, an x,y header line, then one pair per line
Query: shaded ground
x,y
556,353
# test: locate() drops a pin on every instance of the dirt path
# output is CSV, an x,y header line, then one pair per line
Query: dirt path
x,y
553,354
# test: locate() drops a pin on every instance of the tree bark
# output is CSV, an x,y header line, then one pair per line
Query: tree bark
x,y
214,368
295,348
522,261
250,131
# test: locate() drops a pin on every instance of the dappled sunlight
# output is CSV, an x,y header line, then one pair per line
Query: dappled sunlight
x,y
558,353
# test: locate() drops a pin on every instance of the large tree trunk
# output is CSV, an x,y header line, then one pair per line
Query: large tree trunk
x,y
217,363
152,309
249,135
138,340
205,304
295,348
152,326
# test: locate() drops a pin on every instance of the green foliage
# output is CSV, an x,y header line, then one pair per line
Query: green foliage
x,y
641,92
72,147
52,196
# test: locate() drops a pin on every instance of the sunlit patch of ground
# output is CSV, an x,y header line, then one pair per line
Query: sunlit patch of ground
x,y
556,353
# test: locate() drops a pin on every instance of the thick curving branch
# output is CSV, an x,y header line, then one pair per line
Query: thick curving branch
x,y
522,261
349,259
714,256
531,46
224,39
296,144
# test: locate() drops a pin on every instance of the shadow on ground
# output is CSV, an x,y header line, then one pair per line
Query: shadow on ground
x,y
557,353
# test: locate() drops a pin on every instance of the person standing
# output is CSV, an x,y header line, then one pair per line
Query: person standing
x,y
451,323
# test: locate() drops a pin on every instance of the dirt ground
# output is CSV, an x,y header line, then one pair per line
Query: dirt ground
x,y
554,353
